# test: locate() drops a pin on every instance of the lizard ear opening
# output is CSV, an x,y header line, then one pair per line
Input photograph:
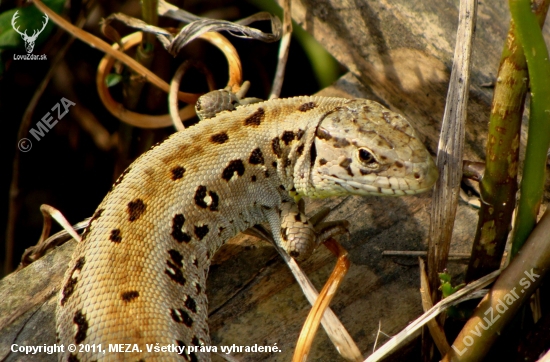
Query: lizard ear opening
x,y
313,154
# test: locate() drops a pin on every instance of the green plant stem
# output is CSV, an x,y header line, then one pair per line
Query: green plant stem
x,y
498,186
538,64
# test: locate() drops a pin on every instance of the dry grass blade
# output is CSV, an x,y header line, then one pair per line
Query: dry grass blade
x,y
415,253
50,211
332,325
470,291
451,148
436,331
46,243
321,304
283,51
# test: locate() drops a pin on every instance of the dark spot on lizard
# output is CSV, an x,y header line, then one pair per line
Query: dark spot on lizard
x,y
299,134
96,216
283,234
176,257
195,341
255,118
274,164
219,138
198,287
340,142
416,175
181,316
287,137
200,194
177,172
174,273
323,134
256,157
129,295
266,173
115,236
73,358
233,166
288,162
307,106
364,172
253,178
201,231
191,304
300,150
68,289
82,327
293,189
276,147
322,161
136,208
297,218
345,164
295,254
215,199
177,225
282,187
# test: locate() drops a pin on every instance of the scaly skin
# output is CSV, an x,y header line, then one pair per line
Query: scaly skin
x,y
139,274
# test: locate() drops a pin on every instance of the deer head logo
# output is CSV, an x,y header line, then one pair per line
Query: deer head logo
x,y
29,40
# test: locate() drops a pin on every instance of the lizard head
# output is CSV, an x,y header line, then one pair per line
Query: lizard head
x,y
363,148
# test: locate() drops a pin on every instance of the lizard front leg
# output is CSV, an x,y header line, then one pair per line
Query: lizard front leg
x,y
297,235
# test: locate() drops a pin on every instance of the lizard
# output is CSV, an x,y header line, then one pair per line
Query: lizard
x,y
138,276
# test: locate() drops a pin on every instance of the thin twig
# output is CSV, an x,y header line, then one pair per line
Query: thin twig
x,y
470,291
284,48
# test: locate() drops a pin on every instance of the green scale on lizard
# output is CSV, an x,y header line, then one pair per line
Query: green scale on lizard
x,y
139,274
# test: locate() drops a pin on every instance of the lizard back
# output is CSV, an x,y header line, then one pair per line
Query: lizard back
x,y
139,274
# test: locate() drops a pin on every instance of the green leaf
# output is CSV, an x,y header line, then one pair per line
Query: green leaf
x,y
113,79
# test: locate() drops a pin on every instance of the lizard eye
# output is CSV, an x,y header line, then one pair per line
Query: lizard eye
x,y
366,158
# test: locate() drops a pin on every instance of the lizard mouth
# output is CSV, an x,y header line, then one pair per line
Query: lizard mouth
x,y
411,187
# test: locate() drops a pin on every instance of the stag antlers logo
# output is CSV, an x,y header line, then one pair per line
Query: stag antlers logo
x,y
29,40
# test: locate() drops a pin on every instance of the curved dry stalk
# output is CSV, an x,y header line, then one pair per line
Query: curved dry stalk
x,y
95,42
149,121
117,109
175,85
315,315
